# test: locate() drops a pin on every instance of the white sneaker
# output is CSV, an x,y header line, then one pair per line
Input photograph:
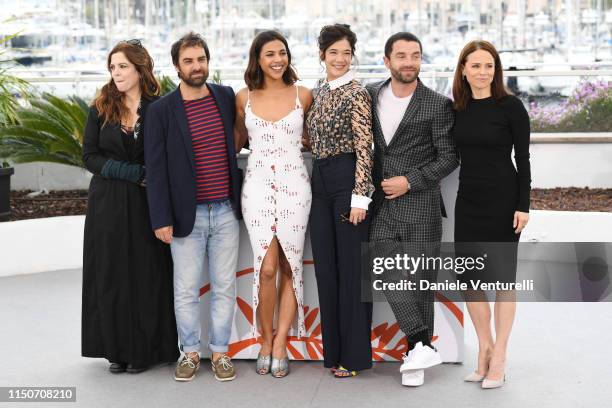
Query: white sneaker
x,y
413,378
420,357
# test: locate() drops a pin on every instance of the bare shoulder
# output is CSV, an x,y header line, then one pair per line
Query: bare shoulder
x,y
241,98
242,95
305,95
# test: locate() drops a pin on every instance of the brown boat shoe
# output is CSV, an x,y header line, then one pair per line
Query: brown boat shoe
x,y
223,368
186,369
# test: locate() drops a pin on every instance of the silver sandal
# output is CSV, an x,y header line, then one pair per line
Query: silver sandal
x,y
264,363
280,367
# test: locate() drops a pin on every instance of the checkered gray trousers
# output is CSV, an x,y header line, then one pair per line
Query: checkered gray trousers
x,y
413,313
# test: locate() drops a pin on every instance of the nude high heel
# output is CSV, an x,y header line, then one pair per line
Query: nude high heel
x,y
489,384
474,377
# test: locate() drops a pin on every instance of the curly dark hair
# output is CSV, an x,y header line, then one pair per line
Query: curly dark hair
x,y
335,32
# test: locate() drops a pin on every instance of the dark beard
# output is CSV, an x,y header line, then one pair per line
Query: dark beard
x,y
401,78
194,83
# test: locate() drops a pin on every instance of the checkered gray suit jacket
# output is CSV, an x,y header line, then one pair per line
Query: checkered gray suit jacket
x,y
422,149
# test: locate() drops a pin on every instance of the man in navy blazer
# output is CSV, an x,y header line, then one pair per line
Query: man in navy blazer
x,y
193,188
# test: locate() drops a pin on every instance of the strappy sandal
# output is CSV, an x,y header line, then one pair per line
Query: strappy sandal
x,y
342,372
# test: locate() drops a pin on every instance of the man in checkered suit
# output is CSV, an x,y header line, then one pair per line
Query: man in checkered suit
x,y
413,151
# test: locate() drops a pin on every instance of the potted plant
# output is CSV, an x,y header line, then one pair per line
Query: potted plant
x,y
5,191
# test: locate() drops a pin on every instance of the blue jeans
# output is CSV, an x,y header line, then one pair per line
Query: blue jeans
x,y
215,233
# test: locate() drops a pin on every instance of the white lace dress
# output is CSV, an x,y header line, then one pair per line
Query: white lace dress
x,y
276,195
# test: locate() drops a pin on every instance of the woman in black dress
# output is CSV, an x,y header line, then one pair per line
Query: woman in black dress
x,y
127,310
493,199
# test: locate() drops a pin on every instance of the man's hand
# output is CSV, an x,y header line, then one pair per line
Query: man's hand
x,y
164,234
395,187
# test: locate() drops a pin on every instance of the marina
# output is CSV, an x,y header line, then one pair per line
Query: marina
x,y
546,44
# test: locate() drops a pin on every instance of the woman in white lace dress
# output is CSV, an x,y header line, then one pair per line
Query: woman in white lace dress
x,y
276,194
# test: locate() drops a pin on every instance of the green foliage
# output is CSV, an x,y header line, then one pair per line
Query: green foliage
x,y
216,78
50,130
11,88
167,85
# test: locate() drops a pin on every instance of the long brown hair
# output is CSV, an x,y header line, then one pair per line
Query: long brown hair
x,y
253,76
110,102
461,88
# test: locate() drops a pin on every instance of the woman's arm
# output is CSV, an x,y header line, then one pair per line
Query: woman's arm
x,y
361,125
306,99
521,133
240,130
93,158
519,126
98,163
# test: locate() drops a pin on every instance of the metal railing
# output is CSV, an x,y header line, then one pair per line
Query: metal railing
x,y
44,75
84,81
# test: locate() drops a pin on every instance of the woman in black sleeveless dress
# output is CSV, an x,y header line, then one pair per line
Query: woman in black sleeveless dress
x,y
493,199
127,310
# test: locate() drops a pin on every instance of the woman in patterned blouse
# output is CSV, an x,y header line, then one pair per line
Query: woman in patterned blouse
x,y
339,127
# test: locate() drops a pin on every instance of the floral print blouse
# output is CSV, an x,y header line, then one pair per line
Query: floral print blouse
x,y
340,121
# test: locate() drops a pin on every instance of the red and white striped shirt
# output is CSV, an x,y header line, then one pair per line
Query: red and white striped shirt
x,y
209,150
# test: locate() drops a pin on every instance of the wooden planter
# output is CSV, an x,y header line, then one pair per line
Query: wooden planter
x,y
5,192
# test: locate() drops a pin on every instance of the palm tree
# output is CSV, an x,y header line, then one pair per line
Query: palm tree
x,y
10,87
166,85
50,130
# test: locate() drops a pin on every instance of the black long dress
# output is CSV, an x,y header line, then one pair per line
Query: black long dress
x,y
127,309
491,189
